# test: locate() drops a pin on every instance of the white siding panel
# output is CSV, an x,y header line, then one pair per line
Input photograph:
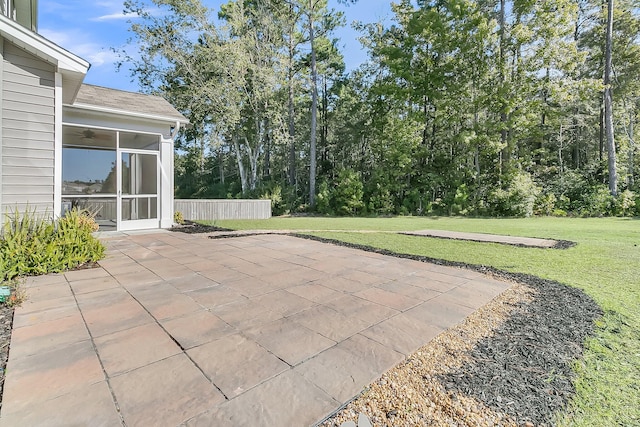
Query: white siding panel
x,y
35,88
27,79
36,154
41,199
23,59
15,180
42,192
28,130
22,171
26,116
27,98
20,107
39,126
26,162
29,135
27,144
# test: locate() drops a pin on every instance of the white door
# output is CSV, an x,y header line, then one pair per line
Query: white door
x,y
138,190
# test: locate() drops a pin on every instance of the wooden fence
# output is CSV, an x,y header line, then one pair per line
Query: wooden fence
x,y
223,209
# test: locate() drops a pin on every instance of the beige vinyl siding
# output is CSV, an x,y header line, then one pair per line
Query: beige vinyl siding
x,y
28,131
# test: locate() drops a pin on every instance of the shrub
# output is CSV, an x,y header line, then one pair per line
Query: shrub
x,y
518,199
178,217
381,201
598,201
348,193
278,204
31,245
545,204
626,203
323,199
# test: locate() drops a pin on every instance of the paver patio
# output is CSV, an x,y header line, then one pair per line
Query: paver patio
x,y
176,329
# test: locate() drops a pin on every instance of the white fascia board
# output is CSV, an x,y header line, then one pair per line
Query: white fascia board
x,y
106,110
41,47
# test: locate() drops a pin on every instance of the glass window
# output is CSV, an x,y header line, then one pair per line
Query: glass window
x,y
139,208
88,171
139,141
139,173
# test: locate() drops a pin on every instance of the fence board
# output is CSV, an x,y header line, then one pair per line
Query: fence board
x,y
211,209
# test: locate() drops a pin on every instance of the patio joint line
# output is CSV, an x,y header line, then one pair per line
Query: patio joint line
x,y
179,345
107,378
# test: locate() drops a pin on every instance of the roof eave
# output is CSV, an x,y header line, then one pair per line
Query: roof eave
x,y
42,48
72,68
154,117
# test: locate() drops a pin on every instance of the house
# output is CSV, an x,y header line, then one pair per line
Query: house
x,y
65,143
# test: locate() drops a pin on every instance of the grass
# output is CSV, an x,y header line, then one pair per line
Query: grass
x,y
605,264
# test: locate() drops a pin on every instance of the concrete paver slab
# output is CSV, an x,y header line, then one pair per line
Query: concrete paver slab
x,y
165,393
236,364
87,406
329,323
489,238
287,400
85,286
44,376
50,335
132,348
197,328
289,340
260,330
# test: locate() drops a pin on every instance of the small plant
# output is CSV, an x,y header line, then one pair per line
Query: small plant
x,y
16,293
32,245
178,217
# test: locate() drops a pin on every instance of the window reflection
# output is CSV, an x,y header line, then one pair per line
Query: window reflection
x,y
88,171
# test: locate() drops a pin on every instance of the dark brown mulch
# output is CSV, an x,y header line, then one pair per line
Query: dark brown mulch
x,y
6,322
191,227
525,368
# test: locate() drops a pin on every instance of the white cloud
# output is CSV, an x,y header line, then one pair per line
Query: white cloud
x,y
93,52
114,17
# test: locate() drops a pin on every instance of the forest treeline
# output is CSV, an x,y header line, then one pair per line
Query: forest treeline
x,y
464,107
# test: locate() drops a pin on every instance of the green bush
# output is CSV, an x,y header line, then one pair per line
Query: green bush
x,y
597,202
347,195
324,198
518,199
545,204
31,245
626,203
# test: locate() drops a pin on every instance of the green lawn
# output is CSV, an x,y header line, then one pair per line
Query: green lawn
x,y
605,264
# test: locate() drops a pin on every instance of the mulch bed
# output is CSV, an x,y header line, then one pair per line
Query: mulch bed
x,y
523,369
191,227
6,322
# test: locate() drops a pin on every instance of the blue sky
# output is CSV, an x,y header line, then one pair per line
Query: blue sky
x,y
91,28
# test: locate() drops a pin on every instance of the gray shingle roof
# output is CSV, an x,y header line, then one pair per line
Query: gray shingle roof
x,y
127,102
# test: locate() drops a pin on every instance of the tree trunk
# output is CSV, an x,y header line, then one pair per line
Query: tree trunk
x,y
221,164
292,130
608,107
601,131
241,169
503,114
314,116
630,180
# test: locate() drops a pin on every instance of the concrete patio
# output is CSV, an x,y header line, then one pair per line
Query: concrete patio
x,y
178,329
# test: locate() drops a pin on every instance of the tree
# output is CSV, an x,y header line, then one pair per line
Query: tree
x,y
608,107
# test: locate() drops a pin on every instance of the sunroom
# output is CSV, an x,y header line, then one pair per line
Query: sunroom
x,y
117,157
